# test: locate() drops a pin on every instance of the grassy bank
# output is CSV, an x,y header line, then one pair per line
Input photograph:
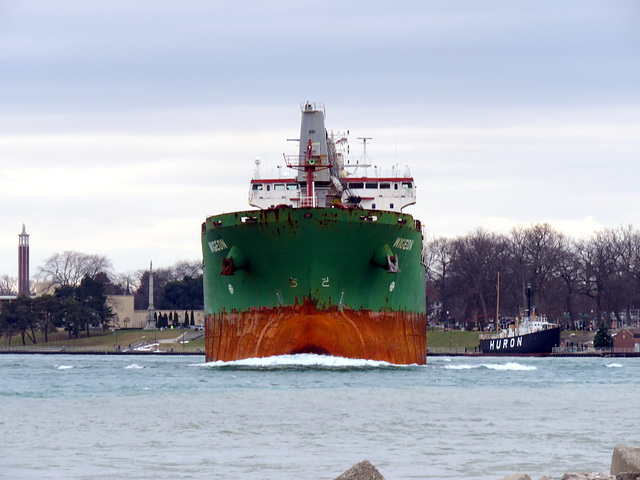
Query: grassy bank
x,y
109,340
167,339
438,338
455,340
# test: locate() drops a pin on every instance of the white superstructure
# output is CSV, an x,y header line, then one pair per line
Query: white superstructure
x,y
335,181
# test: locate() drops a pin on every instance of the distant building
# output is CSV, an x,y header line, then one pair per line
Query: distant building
x,y
627,339
24,287
127,317
122,307
23,263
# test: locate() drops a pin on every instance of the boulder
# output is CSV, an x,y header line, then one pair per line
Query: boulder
x,y
625,460
628,476
517,476
587,476
361,471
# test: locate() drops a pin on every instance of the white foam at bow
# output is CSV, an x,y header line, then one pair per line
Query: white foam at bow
x,y
301,360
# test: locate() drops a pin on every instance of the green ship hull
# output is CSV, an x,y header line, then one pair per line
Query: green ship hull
x,y
338,281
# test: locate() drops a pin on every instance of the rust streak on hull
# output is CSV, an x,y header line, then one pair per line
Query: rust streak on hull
x,y
265,332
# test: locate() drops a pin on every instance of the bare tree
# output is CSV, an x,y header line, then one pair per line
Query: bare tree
x,y
625,282
184,268
598,256
69,268
161,276
569,273
478,258
535,254
8,285
437,256
125,283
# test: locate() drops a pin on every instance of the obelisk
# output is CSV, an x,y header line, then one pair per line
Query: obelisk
x,y
151,322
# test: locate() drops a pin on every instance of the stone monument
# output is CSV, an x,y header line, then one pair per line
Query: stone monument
x,y
151,321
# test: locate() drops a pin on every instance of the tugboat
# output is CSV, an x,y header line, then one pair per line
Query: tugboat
x,y
529,335
328,263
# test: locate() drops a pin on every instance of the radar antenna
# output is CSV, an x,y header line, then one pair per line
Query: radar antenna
x,y
365,160
364,142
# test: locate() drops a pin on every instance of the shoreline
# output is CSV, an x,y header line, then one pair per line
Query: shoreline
x,y
93,352
80,351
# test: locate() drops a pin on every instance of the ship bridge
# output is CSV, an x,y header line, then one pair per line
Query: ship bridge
x,y
322,177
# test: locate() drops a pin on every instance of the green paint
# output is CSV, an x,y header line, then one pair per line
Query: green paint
x,y
334,256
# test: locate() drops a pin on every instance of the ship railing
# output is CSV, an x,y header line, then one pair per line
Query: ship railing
x,y
295,161
307,202
573,349
505,334
313,107
580,348
301,162
368,172
447,350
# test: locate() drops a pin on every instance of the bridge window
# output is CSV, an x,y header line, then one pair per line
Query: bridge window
x,y
292,186
385,185
356,185
256,187
371,185
278,186
407,185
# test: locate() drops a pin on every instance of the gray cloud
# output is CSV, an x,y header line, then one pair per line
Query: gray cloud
x,y
157,109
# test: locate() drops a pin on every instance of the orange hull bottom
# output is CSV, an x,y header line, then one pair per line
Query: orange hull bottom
x,y
394,337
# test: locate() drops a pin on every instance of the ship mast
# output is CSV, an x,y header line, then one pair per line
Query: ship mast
x,y
313,161
498,303
309,166
364,158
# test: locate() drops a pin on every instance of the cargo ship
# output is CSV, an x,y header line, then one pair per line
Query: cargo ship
x,y
326,262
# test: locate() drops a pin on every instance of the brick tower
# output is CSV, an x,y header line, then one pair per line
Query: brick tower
x,y
23,263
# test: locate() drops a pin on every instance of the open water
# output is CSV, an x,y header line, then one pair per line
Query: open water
x,y
149,417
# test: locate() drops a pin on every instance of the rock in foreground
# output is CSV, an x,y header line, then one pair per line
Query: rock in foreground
x,y
625,465
625,460
517,476
587,476
361,471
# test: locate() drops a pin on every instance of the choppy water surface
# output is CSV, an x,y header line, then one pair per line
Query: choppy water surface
x,y
87,417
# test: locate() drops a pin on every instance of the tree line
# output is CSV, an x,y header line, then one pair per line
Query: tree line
x,y
164,320
80,284
573,281
73,308
177,287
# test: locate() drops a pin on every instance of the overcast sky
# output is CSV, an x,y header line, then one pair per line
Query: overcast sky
x,y
123,124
